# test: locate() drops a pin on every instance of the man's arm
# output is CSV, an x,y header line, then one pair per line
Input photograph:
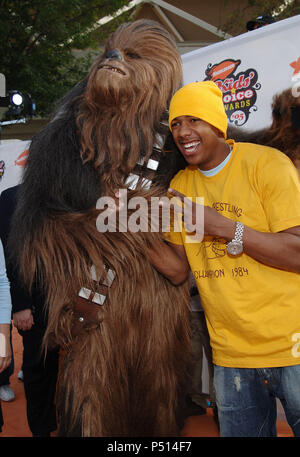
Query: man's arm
x,y
5,315
171,261
279,250
20,297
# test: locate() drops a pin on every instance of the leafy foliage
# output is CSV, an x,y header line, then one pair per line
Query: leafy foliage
x,y
37,39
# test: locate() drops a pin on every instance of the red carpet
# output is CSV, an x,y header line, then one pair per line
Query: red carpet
x,y
15,421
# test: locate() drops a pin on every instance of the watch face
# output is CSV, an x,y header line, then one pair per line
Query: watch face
x,y
235,247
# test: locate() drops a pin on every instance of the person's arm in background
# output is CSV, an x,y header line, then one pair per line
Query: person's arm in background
x,y
5,315
20,297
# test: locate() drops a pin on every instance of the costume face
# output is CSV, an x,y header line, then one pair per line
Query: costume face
x,y
137,58
198,141
128,91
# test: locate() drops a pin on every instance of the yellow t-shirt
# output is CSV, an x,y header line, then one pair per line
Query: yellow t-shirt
x,y
252,310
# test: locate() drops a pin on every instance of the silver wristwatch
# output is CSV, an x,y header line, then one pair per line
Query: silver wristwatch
x,y
235,246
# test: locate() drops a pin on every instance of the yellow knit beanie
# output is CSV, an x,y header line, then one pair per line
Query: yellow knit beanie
x,y
201,99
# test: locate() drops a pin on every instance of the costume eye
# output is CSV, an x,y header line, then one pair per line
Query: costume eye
x,y
132,55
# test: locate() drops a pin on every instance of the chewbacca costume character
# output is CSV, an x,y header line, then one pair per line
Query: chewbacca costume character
x,y
123,328
283,133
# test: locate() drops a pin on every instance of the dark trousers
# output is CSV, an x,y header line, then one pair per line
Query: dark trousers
x,y
1,419
40,376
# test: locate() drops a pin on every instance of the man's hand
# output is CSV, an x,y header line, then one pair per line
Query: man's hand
x,y
202,219
23,320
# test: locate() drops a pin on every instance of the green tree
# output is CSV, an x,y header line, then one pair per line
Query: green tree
x,y
37,42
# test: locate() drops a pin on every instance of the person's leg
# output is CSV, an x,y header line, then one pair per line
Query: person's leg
x,y
204,335
191,402
290,396
245,406
1,418
194,388
211,401
40,375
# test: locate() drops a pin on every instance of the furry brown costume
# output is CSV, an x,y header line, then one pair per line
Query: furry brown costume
x,y
283,133
120,373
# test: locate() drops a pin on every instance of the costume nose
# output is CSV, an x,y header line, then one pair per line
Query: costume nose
x,y
114,54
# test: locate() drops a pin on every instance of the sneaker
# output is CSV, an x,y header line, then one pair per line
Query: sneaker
x,y
6,393
20,375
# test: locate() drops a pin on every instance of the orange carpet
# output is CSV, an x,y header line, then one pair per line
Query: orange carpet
x,y
15,421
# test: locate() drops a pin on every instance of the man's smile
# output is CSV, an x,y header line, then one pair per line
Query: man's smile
x,y
190,147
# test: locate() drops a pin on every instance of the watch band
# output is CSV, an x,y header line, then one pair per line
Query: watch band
x,y
235,246
239,231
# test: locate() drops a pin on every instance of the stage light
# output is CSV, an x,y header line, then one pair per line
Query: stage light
x,y
18,104
19,107
16,98
15,107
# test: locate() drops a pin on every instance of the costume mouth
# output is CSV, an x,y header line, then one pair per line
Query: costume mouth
x,y
111,68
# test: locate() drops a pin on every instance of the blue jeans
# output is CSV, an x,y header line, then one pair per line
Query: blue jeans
x,y
246,399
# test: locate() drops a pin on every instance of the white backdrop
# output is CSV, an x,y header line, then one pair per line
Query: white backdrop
x,y
12,161
250,69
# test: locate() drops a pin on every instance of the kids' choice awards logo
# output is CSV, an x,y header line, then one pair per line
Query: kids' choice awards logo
x,y
239,89
22,159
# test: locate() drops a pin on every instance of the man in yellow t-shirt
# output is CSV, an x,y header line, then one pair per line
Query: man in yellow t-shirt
x,y
247,265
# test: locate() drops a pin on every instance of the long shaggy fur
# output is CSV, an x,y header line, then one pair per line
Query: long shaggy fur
x,y
120,376
281,134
